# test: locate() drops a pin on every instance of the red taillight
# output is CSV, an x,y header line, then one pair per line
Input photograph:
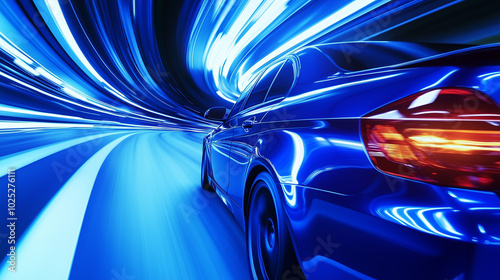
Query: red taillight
x,y
447,136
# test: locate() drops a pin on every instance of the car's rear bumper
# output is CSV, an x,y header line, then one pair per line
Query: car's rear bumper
x,y
414,231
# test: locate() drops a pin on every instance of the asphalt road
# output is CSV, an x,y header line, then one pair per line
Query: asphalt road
x,y
115,204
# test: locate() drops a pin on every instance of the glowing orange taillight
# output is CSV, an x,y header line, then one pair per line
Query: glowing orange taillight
x,y
445,136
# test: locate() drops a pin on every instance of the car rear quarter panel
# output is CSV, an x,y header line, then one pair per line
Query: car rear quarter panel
x,y
333,195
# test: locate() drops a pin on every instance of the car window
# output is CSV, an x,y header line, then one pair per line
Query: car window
x,y
237,105
260,90
282,83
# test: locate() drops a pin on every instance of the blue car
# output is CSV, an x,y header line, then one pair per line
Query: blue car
x,y
365,160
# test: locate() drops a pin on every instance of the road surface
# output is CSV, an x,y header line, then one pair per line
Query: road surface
x,y
115,204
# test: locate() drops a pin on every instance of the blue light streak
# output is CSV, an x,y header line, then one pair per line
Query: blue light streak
x,y
229,60
431,220
75,73
298,158
57,227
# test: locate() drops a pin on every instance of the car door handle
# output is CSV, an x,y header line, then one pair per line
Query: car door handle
x,y
248,123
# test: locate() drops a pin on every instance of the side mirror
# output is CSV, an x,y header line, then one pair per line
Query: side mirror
x,y
216,113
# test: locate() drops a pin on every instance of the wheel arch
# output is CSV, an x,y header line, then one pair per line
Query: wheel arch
x,y
257,166
206,152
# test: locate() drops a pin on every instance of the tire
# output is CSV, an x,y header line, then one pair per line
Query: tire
x,y
269,247
205,184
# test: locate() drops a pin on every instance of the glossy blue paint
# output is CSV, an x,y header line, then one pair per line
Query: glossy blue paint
x,y
346,218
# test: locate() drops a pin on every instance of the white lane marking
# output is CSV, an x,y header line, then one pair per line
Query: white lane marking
x,y
23,158
47,248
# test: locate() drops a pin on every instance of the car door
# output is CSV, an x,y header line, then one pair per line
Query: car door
x,y
219,152
246,131
221,146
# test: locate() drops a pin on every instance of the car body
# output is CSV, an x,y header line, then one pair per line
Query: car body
x,y
348,212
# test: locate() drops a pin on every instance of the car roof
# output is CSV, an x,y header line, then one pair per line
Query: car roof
x,y
365,55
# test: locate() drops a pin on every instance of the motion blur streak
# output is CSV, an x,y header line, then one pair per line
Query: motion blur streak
x,y
49,62
57,227
29,156
145,213
78,77
163,225
232,41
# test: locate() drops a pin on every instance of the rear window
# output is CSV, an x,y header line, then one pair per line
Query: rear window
x,y
282,83
260,90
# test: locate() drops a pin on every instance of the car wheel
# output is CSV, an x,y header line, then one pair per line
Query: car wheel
x,y
205,184
270,250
